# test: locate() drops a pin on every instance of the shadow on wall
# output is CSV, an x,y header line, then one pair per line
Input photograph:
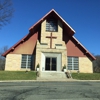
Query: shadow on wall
x,y
2,63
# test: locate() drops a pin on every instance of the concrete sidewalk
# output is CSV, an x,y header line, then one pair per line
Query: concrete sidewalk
x,y
52,80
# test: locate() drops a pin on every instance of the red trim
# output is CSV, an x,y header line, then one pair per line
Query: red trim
x,y
85,50
14,46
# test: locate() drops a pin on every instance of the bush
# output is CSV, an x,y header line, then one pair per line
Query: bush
x,y
96,69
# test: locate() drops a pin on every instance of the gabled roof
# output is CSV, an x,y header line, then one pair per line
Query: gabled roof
x,y
31,30
18,43
65,24
84,50
14,46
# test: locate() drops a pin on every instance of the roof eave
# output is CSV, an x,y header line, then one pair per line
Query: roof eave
x,y
12,48
86,51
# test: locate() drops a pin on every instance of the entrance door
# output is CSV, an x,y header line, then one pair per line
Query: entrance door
x,y
51,63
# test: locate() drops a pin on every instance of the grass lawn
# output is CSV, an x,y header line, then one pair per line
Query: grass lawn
x,y
17,75
86,76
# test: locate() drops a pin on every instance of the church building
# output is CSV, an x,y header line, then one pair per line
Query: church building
x,y
51,46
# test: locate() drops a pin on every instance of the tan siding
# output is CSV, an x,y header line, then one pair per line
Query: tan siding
x,y
56,34
41,48
13,62
85,65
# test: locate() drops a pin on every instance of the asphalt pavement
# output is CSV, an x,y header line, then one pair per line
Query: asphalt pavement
x,y
50,90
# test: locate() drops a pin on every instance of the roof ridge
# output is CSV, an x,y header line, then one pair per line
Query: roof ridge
x,y
64,21
47,15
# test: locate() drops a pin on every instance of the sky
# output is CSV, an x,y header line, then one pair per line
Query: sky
x,y
82,15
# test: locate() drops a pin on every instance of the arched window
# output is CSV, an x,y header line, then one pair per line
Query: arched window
x,y
51,25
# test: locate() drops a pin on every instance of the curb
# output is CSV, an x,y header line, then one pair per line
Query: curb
x,y
69,80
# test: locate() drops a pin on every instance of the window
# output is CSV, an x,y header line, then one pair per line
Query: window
x,y
73,63
26,61
51,25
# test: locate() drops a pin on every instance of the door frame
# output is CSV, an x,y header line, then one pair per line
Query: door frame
x,y
57,55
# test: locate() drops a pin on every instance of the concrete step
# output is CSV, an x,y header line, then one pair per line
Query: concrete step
x,y
49,75
52,79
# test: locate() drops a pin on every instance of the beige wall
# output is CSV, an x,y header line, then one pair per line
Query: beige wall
x,y
38,57
57,34
63,55
85,65
40,49
13,62
46,48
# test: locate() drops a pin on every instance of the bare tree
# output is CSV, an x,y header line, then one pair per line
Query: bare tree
x,y
6,12
96,64
2,59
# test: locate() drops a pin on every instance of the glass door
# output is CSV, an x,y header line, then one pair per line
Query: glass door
x,y
51,63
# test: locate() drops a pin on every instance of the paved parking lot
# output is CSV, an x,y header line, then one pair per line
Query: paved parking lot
x,y
50,90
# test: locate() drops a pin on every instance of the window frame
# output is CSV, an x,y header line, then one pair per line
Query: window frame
x,y
51,25
73,64
26,61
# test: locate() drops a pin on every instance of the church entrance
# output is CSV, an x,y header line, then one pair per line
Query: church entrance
x,y
51,63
